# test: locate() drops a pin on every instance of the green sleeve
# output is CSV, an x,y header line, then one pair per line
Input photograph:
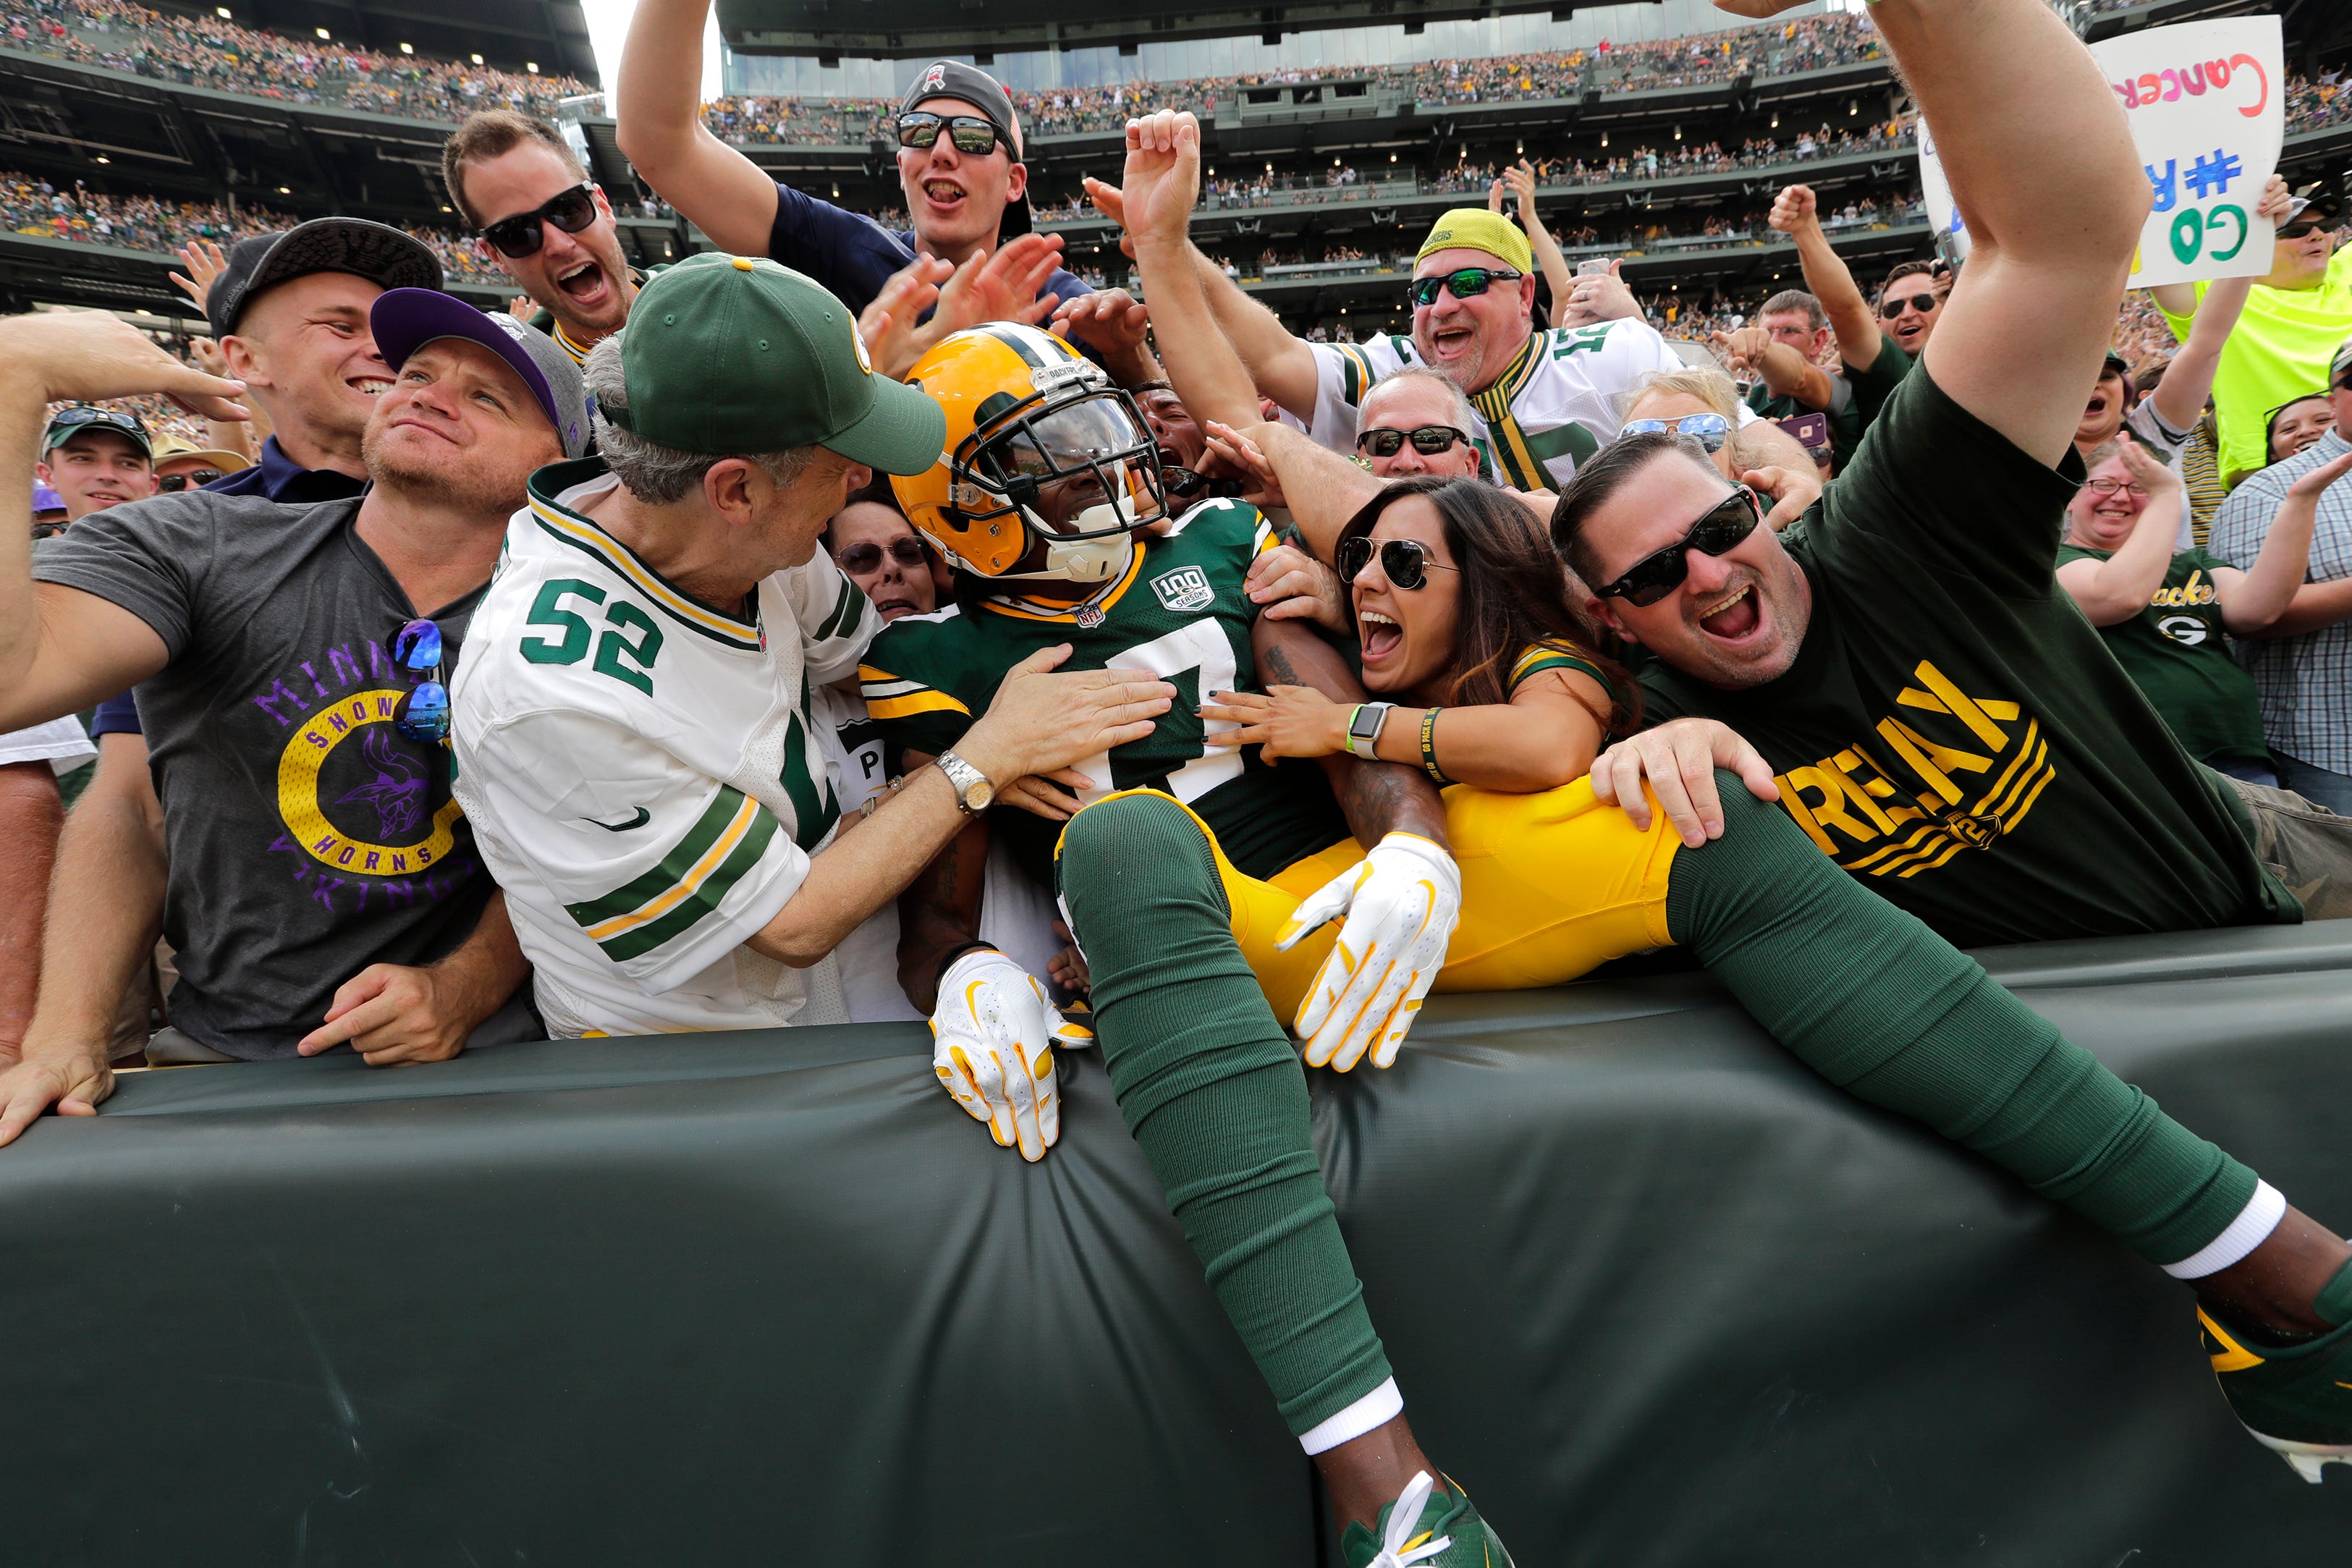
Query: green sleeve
x,y
908,693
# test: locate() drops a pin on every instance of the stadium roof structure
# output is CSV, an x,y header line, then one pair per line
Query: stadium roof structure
x,y
513,35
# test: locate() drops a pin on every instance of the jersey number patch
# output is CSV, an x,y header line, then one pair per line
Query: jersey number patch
x,y
631,663
1197,659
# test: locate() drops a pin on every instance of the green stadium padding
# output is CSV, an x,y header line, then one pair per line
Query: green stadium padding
x,y
1653,1292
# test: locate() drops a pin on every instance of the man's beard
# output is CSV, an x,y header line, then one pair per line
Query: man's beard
x,y
460,487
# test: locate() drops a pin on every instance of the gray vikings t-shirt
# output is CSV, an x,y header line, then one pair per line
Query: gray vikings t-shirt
x,y
307,839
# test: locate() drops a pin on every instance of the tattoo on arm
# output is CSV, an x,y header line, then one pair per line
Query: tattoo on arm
x,y
1378,798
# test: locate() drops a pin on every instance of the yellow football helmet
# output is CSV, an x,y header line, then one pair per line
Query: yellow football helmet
x,y
1026,410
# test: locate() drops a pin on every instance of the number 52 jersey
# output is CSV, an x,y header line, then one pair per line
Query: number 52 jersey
x,y
640,773
1178,613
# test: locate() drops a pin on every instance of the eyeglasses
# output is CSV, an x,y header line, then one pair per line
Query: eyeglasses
x,y
1404,562
2109,487
423,713
860,558
919,130
1467,284
1659,573
1429,440
521,235
102,418
1891,307
1709,429
171,484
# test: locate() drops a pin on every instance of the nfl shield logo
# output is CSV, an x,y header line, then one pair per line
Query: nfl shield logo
x,y
1184,589
1091,616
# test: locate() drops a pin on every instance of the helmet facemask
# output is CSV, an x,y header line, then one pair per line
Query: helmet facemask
x,y
1008,465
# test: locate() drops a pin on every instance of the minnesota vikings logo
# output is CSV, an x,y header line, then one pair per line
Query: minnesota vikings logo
x,y
397,790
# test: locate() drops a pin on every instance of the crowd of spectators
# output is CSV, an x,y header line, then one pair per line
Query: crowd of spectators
x,y
216,53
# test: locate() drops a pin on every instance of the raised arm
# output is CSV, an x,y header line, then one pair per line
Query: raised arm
x,y
1785,372
2045,175
1795,212
2254,602
1521,180
2113,591
62,650
1274,363
657,102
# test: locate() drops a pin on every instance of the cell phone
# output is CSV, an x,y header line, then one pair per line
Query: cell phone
x,y
1596,267
1811,431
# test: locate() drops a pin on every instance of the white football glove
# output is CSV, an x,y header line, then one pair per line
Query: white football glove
x,y
1402,903
995,1033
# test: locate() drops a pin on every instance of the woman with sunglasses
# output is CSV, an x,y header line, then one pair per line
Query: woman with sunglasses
x,y
2167,615
1864,994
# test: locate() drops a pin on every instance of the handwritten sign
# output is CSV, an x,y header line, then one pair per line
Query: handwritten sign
x,y
2207,106
1951,234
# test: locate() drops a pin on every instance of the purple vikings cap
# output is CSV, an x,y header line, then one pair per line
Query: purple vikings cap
x,y
404,319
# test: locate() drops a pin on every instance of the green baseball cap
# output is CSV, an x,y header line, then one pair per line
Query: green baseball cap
x,y
735,354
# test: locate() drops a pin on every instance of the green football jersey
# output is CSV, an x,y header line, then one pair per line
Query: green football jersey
x,y
1180,614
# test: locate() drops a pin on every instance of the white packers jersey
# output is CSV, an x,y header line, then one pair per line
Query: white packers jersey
x,y
1555,405
642,773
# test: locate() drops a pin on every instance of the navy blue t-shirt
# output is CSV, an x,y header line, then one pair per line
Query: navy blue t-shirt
x,y
277,477
854,256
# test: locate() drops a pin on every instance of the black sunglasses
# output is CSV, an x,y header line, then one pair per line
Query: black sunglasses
x,y
1467,284
1923,303
521,236
919,130
2299,229
1429,440
1659,573
424,712
104,418
860,558
171,484
1404,562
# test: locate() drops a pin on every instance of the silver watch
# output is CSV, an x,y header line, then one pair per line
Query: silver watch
x,y
974,791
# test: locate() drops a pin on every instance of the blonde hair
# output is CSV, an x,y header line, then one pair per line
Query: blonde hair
x,y
1711,387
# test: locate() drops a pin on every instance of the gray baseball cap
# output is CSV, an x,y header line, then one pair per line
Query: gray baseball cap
x,y
384,256
404,319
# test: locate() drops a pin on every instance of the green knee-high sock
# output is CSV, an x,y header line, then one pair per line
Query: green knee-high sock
x,y
1881,1006
1213,1092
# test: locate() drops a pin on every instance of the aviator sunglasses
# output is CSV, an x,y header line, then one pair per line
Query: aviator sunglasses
x,y
1467,284
973,136
860,558
423,713
1429,440
1894,306
1709,429
521,235
1404,562
1659,573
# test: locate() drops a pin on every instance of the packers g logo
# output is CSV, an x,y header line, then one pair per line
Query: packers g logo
x,y
392,786
2189,630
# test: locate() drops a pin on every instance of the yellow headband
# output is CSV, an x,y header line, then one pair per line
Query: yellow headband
x,y
1475,228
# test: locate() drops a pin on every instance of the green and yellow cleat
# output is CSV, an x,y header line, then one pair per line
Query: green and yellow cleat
x,y
1417,1533
2294,1395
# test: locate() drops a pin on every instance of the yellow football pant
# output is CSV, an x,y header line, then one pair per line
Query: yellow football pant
x,y
1553,884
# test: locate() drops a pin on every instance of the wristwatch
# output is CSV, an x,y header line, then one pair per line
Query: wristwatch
x,y
1364,728
974,791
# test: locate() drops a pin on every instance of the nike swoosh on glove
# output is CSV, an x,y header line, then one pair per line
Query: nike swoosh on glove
x,y
995,1032
1401,902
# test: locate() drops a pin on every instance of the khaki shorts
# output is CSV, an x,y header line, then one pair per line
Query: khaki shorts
x,y
2307,846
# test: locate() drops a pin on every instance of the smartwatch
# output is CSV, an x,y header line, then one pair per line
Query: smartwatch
x,y
1364,729
974,791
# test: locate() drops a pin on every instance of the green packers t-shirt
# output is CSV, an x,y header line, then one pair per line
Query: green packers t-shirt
x,y
2178,654
2279,349
1179,613
1954,732
1876,382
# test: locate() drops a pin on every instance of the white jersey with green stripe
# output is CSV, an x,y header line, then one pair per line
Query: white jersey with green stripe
x,y
643,772
1557,403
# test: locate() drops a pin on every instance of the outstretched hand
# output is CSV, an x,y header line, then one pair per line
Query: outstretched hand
x,y
1161,184
204,261
88,356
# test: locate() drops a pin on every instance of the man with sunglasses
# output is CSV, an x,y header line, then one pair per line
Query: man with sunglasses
x,y
184,466
542,221
1417,421
1874,362
2294,317
958,156
321,886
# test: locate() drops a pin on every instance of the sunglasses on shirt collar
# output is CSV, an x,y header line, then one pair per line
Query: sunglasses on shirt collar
x,y
522,235
423,711
1659,573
